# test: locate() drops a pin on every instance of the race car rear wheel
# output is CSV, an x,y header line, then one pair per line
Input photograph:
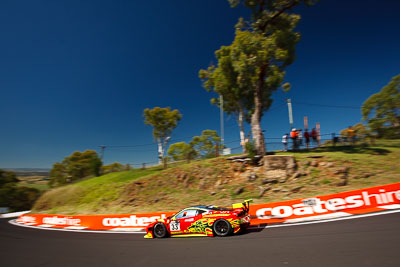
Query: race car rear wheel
x,y
159,230
222,227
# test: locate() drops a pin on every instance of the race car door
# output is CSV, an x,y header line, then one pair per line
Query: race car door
x,y
182,221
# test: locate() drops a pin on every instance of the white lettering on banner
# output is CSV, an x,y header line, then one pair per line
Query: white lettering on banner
x,y
61,221
315,205
131,221
27,219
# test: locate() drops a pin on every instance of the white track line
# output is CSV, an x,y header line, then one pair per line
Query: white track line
x,y
334,219
270,226
13,222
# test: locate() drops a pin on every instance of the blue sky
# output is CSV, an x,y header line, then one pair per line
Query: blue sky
x,y
75,75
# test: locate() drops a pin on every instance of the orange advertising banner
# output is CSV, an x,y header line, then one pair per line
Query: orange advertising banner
x,y
322,207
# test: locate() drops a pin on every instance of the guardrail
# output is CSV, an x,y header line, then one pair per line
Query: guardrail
x,y
349,203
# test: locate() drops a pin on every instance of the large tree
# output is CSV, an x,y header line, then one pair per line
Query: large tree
x,y
382,110
223,79
74,167
262,49
163,120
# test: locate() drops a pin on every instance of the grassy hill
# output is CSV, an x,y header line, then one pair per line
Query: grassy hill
x,y
221,182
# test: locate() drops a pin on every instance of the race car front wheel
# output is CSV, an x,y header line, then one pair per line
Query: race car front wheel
x,y
159,230
222,227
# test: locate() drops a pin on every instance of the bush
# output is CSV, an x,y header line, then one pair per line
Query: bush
x,y
14,197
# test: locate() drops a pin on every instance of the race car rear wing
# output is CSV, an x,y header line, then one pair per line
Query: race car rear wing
x,y
245,205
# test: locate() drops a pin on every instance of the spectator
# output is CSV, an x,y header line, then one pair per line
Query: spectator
x,y
335,139
314,136
300,137
307,138
285,139
293,136
351,134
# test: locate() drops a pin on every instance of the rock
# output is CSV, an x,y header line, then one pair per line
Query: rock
x,y
252,177
212,193
283,163
269,181
283,180
296,189
330,164
263,190
342,182
366,175
284,190
276,190
218,183
156,200
239,190
276,174
307,163
315,156
202,184
243,156
341,170
314,163
296,175
186,182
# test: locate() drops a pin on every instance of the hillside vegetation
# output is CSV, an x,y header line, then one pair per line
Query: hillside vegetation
x,y
219,181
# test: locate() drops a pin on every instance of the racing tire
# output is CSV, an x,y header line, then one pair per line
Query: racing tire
x,y
222,228
159,230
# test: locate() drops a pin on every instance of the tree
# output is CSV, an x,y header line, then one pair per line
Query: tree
x,y
163,120
75,167
15,197
7,177
382,110
182,151
207,144
261,51
223,80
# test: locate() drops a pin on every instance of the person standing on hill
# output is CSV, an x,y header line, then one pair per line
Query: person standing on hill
x,y
314,136
307,138
293,136
300,137
285,139
351,134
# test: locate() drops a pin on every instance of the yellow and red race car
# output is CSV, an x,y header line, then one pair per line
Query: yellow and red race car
x,y
202,221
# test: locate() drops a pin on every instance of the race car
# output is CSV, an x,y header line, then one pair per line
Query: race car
x,y
202,221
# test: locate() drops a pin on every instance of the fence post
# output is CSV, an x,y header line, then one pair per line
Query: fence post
x,y
165,162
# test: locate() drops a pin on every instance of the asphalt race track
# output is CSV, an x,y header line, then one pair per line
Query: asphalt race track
x,y
369,241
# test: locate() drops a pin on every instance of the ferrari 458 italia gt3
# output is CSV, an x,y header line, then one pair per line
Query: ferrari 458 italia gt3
x,y
202,221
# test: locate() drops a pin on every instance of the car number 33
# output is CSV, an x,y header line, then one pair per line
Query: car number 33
x,y
175,226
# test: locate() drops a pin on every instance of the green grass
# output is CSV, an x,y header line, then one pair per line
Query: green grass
x,y
41,187
215,181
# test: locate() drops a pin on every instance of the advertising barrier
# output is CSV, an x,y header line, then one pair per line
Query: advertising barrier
x,y
321,207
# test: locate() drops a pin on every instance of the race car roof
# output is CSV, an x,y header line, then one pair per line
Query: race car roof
x,y
213,208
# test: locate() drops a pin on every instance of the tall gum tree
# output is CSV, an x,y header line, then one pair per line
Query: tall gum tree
x,y
262,49
163,120
223,79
